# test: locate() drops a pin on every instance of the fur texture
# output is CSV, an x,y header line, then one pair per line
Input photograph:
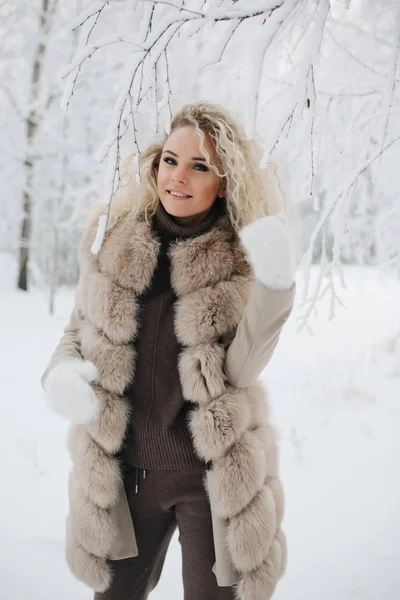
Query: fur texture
x,y
250,532
109,431
212,280
93,524
201,372
91,569
220,424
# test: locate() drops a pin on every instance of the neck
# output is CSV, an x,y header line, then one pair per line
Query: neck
x,y
192,219
170,227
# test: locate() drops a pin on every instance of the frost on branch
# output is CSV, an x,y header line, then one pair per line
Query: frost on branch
x,y
101,230
319,87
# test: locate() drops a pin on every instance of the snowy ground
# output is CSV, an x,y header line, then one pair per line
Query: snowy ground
x,y
336,401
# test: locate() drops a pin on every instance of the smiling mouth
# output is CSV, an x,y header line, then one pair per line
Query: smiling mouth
x,y
178,195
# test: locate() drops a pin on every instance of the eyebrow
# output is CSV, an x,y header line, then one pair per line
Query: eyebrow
x,y
193,157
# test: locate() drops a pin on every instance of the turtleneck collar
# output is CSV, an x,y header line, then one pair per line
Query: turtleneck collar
x,y
169,230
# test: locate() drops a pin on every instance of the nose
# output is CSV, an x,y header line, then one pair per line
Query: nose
x,y
179,175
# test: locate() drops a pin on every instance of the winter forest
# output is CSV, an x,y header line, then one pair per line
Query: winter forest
x,y
85,86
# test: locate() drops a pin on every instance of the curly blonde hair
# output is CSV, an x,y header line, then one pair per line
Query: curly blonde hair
x,y
250,192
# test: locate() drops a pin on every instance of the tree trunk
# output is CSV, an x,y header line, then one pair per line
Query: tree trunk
x,y
54,271
25,231
31,125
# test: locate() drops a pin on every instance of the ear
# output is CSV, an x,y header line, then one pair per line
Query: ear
x,y
222,191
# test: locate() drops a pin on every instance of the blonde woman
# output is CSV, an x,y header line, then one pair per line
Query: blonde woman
x,y
175,318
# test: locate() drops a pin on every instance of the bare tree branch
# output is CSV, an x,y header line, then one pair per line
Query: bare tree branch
x,y
298,26
13,102
343,195
391,83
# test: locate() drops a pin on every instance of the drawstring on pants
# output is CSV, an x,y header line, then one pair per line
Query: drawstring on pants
x,y
208,466
137,476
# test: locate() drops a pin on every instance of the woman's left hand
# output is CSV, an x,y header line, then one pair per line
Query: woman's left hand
x,y
268,244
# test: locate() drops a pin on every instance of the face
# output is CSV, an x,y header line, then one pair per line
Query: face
x,y
186,185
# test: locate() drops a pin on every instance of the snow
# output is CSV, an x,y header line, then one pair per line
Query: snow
x,y
101,229
335,400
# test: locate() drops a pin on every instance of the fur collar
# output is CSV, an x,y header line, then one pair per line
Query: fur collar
x,y
130,249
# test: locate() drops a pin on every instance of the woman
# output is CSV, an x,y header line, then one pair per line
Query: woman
x,y
175,317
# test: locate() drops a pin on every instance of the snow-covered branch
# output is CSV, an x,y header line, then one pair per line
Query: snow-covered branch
x,y
391,79
338,202
12,100
155,43
316,82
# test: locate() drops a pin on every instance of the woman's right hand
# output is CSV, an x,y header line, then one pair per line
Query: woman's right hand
x,y
68,392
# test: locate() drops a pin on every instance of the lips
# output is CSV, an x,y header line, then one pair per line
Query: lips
x,y
178,194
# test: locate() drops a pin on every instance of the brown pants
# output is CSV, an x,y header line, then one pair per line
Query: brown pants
x,y
166,500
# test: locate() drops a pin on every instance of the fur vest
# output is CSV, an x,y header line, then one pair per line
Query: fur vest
x,y
230,426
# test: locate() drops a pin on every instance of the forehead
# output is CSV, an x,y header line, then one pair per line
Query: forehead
x,y
185,142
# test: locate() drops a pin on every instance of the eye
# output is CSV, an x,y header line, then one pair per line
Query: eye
x,y
202,167
168,159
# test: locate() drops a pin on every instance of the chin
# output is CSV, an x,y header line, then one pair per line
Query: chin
x,y
178,208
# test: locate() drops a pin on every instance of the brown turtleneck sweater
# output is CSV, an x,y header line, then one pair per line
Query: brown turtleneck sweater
x,y
158,436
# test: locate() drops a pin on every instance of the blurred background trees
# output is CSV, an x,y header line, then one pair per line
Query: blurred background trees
x,y
83,84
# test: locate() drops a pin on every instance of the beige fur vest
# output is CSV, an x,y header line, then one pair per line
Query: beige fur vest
x,y
230,426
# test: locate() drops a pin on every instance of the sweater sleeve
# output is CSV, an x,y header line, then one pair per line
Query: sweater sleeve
x,y
258,333
68,347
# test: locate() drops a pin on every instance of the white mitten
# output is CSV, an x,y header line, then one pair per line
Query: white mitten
x,y
267,242
68,393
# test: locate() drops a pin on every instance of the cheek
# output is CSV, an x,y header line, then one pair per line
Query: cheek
x,y
161,176
209,187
